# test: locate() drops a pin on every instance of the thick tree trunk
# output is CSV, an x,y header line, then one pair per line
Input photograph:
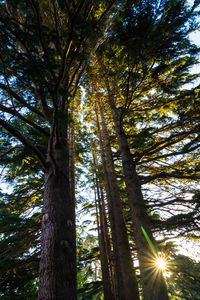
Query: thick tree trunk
x,y
58,245
72,168
125,274
153,283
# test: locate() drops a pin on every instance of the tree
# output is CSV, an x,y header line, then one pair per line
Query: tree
x,y
104,242
148,116
129,66
125,284
45,48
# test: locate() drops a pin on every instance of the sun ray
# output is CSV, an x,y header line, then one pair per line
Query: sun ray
x,y
161,263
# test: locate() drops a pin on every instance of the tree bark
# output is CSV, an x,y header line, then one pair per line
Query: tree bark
x,y
71,140
125,274
58,245
107,287
107,239
153,283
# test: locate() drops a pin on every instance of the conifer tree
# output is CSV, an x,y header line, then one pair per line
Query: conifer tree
x,y
137,67
149,116
45,48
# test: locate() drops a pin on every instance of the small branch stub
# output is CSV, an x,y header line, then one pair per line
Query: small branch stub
x,y
45,218
69,223
64,243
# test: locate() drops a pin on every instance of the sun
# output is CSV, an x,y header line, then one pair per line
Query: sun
x,y
161,263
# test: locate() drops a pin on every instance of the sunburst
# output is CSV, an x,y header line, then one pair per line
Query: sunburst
x,y
161,263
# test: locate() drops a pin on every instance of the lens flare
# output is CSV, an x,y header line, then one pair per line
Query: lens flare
x,y
161,263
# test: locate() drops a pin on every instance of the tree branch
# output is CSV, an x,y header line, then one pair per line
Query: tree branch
x,y
39,29
11,149
24,141
14,112
169,154
20,99
152,150
146,179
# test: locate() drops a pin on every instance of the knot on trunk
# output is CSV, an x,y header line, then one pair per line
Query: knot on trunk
x,y
69,223
45,218
64,243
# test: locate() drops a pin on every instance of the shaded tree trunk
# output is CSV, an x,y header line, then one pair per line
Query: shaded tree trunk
x,y
107,287
125,275
58,246
71,139
153,283
107,239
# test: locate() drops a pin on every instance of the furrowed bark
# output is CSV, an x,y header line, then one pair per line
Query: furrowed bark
x,y
72,166
58,245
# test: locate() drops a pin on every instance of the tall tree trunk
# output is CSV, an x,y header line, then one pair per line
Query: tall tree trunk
x,y
72,167
58,245
107,239
107,287
153,283
114,258
125,274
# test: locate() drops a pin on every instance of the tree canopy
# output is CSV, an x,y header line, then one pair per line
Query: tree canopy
x,y
99,109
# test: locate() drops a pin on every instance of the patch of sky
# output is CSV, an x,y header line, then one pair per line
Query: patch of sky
x,y
4,187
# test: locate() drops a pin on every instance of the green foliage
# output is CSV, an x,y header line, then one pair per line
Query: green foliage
x,y
145,66
91,291
146,55
184,281
19,252
88,264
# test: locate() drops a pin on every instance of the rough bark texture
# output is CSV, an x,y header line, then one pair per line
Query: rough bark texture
x,y
153,283
125,274
58,246
72,168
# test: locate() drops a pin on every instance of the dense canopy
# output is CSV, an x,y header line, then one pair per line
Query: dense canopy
x,y
100,150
